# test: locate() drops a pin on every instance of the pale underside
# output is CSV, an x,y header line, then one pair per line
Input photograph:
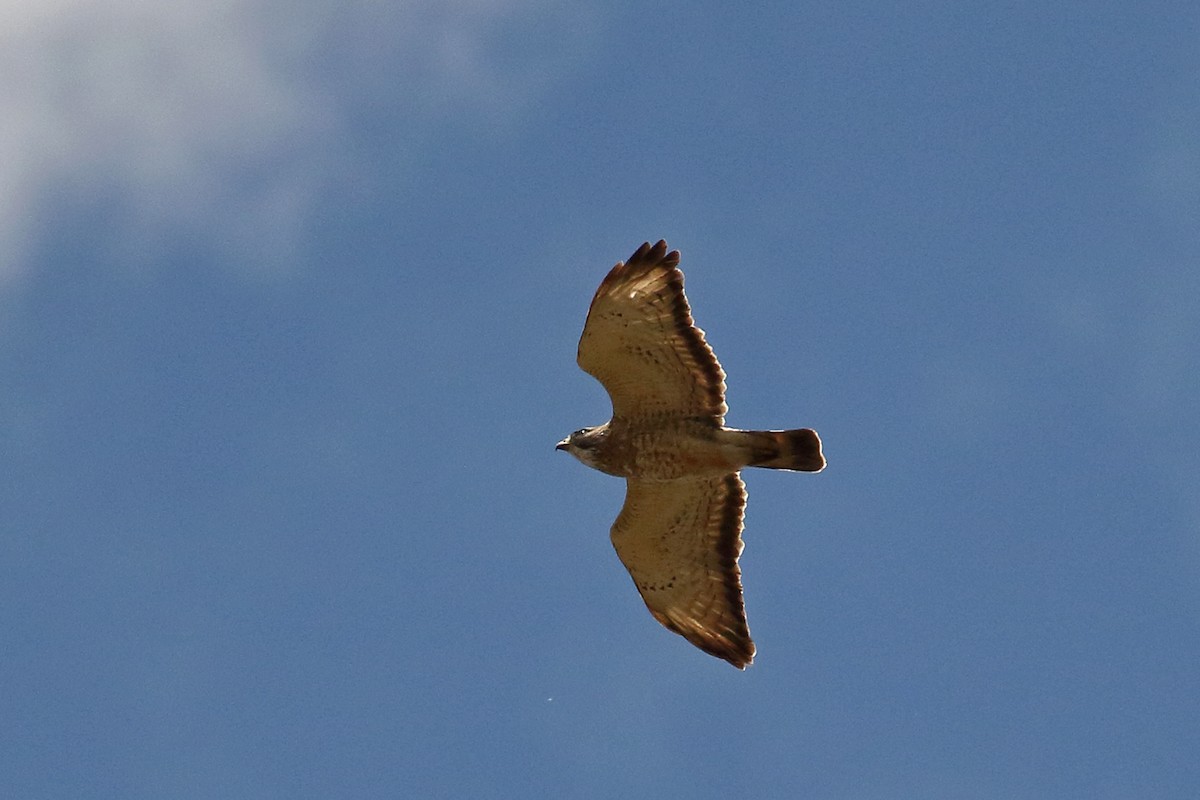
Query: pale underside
x,y
679,539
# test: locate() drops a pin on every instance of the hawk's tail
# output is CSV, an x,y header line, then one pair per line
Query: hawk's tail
x,y
797,450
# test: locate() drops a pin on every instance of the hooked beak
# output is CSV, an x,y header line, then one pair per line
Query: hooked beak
x,y
563,444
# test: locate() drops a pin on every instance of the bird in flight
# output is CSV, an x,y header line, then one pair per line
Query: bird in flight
x,y
679,532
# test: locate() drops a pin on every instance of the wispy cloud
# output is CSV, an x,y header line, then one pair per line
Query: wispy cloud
x,y
222,120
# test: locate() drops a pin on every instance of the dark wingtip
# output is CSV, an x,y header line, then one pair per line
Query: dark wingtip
x,y
738,653
639,254
651,255
737,650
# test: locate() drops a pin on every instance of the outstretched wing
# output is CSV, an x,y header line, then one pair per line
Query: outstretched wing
x,y
640,342
680,541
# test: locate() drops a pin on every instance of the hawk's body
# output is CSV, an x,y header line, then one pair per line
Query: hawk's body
x,y
679,532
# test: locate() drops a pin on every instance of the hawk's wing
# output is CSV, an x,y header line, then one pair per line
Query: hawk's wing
x,y
680,541
640,342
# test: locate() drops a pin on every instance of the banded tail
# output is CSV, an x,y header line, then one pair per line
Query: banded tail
x,y
798,449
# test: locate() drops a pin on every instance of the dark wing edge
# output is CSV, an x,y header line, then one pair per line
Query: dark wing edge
x,y
733,644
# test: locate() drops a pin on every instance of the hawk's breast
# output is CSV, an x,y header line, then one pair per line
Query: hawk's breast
x,y
664,449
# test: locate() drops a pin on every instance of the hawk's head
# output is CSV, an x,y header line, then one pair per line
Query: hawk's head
x,y
583,444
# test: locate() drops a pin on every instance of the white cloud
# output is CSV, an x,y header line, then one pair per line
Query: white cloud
x,y
222,120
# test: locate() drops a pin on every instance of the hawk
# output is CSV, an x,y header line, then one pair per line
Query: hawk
x,y
679,532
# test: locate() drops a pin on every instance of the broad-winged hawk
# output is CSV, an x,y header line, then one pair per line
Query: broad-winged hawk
x,y
679,532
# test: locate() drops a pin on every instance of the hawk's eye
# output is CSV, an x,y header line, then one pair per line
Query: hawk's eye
x,y
579,432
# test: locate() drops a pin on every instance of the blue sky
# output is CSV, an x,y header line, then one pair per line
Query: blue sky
x,y
289,301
